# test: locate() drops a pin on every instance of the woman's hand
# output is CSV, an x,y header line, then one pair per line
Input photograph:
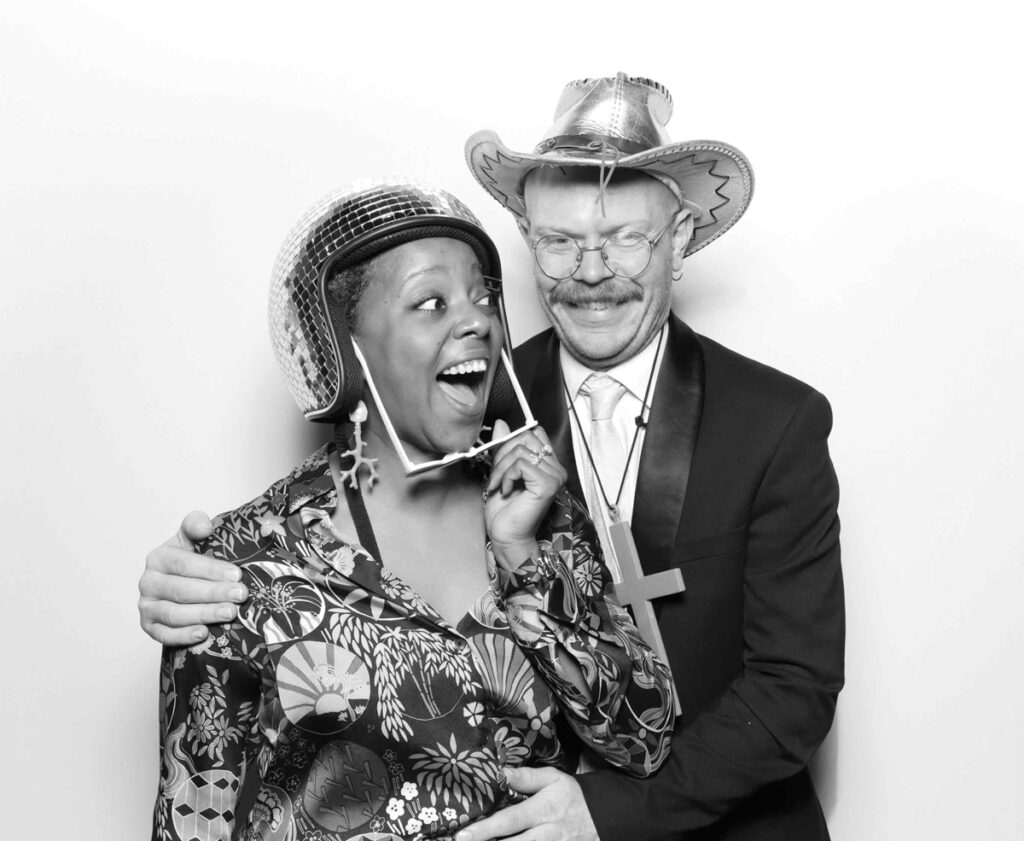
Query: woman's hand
x,y
525,478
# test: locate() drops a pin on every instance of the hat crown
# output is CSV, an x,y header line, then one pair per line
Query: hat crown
x,y
618,123
626,112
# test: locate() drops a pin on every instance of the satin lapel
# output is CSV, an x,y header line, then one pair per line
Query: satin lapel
x,y
668,448
547,401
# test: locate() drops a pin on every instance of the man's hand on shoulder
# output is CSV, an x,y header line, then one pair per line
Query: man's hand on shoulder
x,y
180,592
555,810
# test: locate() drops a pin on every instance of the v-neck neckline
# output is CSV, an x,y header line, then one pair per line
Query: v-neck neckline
x,y
317,492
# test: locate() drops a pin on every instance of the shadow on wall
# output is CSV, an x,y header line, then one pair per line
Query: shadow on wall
x,y
824,767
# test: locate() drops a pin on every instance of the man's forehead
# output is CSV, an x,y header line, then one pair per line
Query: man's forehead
x,y
584,182
560,177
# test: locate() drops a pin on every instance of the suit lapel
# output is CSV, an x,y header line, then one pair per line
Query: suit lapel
x,y
546,397
668,448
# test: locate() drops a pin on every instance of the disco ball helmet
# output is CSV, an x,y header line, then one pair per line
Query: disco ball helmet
x,y
308,328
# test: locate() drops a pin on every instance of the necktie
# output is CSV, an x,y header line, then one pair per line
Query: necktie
x,y
608,457
603,393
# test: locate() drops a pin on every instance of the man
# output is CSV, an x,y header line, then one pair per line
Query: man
x,y
720,463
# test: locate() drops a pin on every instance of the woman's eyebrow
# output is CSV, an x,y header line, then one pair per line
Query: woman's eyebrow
x,y
435,267
418,273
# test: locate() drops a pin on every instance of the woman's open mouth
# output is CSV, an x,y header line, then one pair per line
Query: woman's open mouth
x,y
466,383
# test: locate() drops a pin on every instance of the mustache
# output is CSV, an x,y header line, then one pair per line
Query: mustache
x,y
574,293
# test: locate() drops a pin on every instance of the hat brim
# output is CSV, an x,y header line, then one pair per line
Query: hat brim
x,y
714,178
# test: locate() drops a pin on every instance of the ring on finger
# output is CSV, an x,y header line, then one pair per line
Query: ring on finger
x,y
537,457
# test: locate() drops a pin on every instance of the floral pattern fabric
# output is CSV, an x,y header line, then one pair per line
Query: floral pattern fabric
x,y
340,705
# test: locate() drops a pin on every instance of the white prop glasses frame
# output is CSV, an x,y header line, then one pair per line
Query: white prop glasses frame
x,y
413,469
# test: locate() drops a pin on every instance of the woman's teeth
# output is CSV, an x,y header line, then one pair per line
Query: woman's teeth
x,y
474,366
464,382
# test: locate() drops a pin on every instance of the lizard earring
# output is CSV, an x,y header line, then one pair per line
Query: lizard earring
x,y
356,454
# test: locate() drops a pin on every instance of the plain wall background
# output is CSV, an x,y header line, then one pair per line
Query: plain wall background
x,y
153,159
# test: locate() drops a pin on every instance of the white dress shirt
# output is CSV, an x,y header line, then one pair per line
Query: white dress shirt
x,y
634,374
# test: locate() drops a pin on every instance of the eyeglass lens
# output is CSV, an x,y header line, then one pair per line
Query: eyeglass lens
x,y
626,254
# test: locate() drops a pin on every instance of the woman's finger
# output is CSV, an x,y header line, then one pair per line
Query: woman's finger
x,y
534,449
542,434
505,457
532,458
500,429
538,478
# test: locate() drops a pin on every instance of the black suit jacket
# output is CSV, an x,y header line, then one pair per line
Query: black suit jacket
x,y
736,488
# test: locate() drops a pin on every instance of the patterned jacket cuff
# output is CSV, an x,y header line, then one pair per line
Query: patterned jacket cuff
x,y
535,573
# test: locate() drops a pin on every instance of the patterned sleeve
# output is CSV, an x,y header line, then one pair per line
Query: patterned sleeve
x,y
209,699
614,691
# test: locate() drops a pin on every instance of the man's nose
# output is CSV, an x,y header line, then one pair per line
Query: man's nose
x,y
592,268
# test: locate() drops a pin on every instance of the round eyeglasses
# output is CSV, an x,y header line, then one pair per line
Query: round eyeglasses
x,y
626,253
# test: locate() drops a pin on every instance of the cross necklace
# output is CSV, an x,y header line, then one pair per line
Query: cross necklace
x,y
635,589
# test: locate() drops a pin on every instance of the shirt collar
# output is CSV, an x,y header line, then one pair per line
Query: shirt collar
x,y
311,483
634,373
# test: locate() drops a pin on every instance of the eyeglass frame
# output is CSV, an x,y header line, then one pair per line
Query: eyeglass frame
x,y
581,250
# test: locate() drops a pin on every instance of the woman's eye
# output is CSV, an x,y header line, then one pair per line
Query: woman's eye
x,y
430,304
488,299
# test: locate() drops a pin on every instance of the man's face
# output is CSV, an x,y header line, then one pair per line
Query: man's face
x,y
600,318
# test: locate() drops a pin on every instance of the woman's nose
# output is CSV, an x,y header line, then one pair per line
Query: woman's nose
x,y
470,320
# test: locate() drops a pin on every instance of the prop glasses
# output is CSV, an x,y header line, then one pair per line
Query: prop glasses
x,y
626,253
411,468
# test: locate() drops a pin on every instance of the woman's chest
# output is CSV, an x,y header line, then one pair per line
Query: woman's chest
x,y
448,568
378,722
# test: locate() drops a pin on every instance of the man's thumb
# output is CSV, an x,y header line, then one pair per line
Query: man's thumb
x,y
529,780
195,527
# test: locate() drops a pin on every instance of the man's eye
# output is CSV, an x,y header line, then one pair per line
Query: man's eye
x,y
430,304
557,244
627,239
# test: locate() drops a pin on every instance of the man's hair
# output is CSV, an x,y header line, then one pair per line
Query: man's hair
x,y
592,175
345,288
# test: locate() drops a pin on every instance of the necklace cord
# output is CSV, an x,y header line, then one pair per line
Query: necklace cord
x,y
645,406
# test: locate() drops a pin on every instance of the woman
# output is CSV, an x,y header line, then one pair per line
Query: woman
x,y
410,630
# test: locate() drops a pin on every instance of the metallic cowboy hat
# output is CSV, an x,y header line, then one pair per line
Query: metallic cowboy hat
x,y
618,123
348,226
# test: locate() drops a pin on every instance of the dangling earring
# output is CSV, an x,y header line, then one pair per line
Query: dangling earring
x,y
677,274
357,416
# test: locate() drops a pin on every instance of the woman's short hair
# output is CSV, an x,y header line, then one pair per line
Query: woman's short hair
x,y
345,287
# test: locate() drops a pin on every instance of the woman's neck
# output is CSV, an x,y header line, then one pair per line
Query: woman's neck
x,y
394,489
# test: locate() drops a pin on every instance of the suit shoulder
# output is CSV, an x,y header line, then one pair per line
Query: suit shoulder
x,y
743,394
753,381
533,353
535,346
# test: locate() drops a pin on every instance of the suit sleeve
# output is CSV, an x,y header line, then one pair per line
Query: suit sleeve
x,y
779,709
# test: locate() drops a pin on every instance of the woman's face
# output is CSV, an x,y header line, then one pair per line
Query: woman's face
x,y
431,334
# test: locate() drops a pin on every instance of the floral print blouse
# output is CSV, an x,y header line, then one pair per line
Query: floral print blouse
x,y
340,705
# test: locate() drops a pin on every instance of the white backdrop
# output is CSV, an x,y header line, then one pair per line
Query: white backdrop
x,y
153,159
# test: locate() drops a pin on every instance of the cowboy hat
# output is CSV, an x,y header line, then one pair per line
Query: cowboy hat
x,y
619,123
